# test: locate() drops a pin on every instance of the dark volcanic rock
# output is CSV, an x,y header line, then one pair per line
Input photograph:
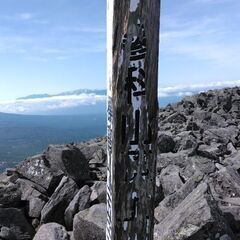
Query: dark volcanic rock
x,y
52,231
196,217
95,151
70,160
99,192
170,179
10,195
14,224
206,132
90,224
80,202
38,170
35,195
54,210
165,143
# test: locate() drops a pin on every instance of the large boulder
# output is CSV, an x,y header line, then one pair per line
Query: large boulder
x,y
170,202
54,209
10,195
80,202
13,224
196,217
165,143
52,231
95,151
70,160
38,169
225,186
170,179
90,224
35,195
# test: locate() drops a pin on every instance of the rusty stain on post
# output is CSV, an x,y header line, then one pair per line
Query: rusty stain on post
x,y
133,47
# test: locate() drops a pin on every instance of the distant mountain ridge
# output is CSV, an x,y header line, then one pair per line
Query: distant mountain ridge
x,y
101,92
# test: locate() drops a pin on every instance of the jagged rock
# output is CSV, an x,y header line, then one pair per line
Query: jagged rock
x,y
99,192
203,164
165,143
225,187
172,201
196,217
70,160
10,195
179,159
176,118
80,202
54,209
14,224
233,161
207,151
185,140
6,233
52,231
35,223
170,179
192,126
94,151
90,224
38,170
35,195
221,135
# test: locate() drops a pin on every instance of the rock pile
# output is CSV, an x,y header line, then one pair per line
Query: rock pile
x,y
61,194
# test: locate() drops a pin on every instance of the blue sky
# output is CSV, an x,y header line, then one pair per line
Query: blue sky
x,y
58,45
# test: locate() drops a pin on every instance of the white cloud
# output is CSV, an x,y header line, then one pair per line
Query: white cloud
x,y
186,90
211,39
27,106
50,103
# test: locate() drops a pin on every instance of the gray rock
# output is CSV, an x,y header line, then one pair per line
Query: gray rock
x,y
196,217
221,135
38,170
225,187
90,224
80,202
165,143
35,223
10,195
202,164
54,209
35,195
176,118
172,201
15,225
52,231
99,192
170,179
70,160
185,140
95,151
212,151
6,233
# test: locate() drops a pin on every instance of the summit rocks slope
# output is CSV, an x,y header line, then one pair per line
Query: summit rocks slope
x,y
197,183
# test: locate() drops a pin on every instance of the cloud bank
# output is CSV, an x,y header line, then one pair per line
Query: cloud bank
x,y
186,90
28,106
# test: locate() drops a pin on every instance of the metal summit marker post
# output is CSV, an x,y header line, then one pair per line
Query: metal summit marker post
x,y
132,62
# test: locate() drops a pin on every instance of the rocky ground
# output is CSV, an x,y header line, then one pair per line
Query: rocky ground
x,y
61,194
